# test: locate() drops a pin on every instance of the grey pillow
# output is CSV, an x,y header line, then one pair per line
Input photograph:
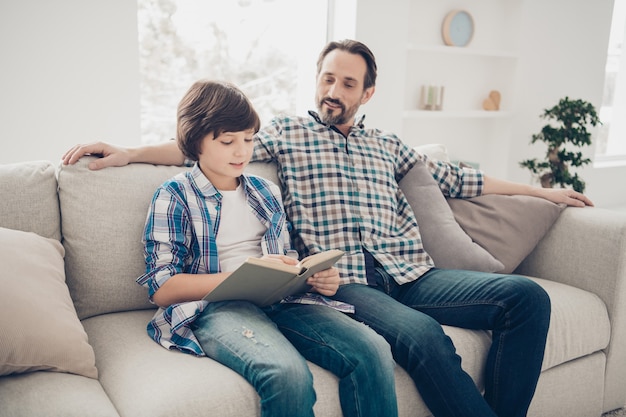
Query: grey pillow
x,y
508,227
39,327
443,239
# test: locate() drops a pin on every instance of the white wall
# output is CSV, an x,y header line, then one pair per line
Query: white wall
x,y
69,74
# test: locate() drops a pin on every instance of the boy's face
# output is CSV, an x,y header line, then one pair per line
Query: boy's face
x,y
340,87
222,159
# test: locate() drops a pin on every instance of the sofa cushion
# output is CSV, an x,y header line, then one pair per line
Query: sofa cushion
x,y
579,323
128,375
39,326
104,213
443,239
507,226
53,394
579,327
29,198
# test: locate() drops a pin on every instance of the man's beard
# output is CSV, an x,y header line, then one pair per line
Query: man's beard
x,y
331,119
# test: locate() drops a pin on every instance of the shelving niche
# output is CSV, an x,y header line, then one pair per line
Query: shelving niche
x,y
468,74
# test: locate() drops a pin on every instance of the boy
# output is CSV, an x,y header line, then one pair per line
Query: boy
x,y
201,226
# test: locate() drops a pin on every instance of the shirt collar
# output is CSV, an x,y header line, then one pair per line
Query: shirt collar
x,y
358,124
202,182
207,188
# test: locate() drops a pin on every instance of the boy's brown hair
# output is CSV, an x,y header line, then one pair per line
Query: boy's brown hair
x,y
212,107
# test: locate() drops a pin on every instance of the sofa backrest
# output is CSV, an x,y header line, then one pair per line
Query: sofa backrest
x,y
29,200
103,216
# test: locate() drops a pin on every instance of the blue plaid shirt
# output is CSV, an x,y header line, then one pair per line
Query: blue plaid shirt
x,y
342,193
179,236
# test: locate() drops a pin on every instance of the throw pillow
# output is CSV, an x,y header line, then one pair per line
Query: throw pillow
x,y
508,227
434,151
39,326
443,239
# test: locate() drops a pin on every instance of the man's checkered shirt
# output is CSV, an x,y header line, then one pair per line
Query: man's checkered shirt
x,y
343,193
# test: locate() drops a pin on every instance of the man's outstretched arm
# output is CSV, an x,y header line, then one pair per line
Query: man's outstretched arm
x,y
166,153
556,195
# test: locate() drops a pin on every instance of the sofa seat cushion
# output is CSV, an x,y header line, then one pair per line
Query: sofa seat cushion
x,y
129,362
144,379
579,323
53,394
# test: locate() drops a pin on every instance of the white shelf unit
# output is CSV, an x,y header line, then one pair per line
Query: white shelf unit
x,y
468,74
459,114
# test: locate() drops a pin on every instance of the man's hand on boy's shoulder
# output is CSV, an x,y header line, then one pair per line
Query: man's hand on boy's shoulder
x,y
110,156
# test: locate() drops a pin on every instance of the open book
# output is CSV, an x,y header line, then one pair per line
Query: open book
x,y
265,282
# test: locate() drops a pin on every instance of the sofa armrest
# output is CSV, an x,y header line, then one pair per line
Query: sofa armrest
x,y
586,248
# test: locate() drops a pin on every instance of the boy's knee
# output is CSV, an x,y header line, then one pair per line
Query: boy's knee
x,y
295,376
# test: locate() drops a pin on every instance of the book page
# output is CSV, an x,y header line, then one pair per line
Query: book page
x,y
318,258
278,265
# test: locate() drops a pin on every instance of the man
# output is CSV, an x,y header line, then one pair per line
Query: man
x,y
340,186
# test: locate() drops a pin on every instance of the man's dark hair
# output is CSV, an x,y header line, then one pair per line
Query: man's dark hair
x,y
353,47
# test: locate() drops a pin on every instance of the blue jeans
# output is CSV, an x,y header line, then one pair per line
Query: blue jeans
x,y
356,354
409,317
239,335
262,345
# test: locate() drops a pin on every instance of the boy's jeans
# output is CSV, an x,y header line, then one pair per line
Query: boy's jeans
x,y
409,316
246,339
239,335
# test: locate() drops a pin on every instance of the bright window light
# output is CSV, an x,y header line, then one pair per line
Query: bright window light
x,y
611,140
267,47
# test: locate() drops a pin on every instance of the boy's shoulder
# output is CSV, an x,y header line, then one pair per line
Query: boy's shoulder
x,y
263,187
180,179
259,183
177,184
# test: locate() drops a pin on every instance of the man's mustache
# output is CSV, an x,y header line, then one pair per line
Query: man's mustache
x,y
334,101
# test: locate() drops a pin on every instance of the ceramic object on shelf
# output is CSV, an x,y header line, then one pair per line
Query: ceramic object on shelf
x,y
458,28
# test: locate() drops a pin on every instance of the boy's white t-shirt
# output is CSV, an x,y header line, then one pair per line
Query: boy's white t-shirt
x,y
240,231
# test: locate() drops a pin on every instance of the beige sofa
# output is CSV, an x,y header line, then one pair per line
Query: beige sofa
x,y
106,365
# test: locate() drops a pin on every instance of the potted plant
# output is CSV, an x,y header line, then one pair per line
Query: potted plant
x,y
569,122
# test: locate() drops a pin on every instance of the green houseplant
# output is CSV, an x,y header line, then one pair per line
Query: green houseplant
x,y
569,120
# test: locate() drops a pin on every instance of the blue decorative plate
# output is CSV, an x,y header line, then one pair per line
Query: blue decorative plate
x,y
458,28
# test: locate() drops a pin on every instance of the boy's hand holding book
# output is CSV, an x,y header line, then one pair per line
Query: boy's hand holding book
x,y
269,279
325,282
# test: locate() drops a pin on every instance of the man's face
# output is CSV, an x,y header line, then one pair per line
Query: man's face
x,y
340,89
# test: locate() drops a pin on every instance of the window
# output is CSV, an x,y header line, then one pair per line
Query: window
x,y
611,140
267,47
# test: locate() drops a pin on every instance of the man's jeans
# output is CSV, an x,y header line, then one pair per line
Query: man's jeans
x,y
246,339
409,316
